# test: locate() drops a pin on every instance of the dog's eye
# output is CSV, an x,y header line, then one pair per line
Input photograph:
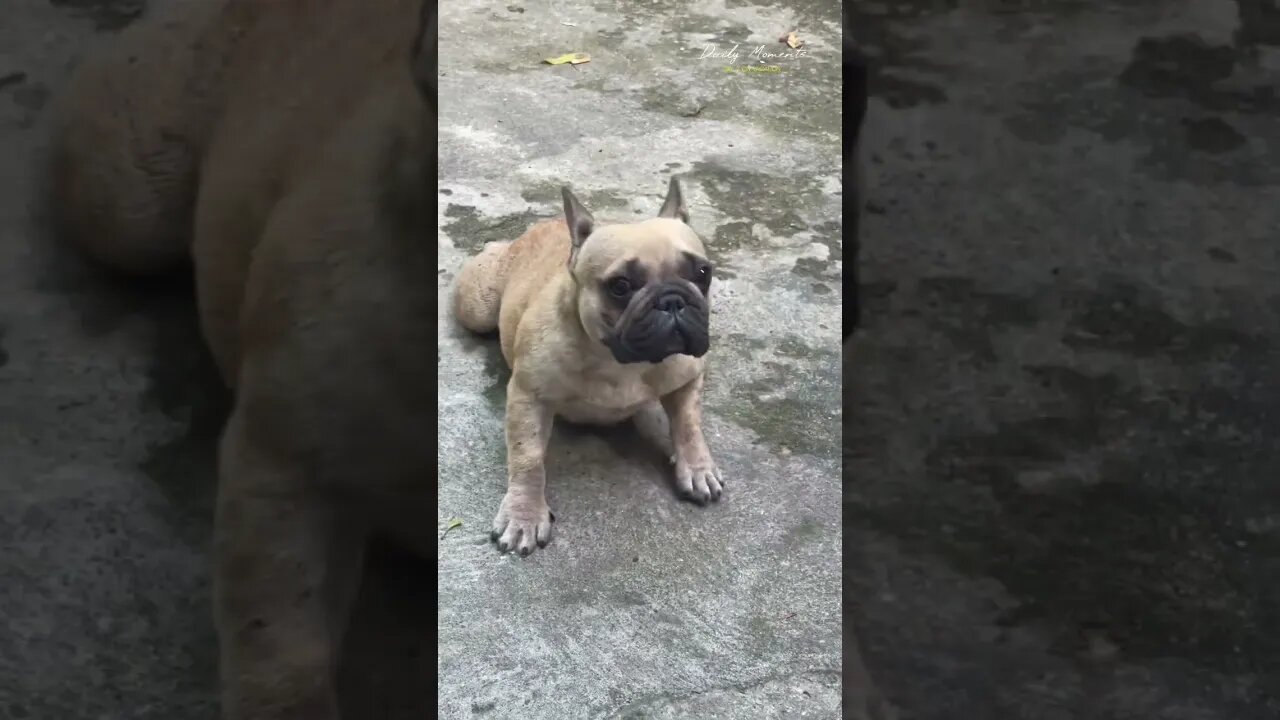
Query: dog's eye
x,y
619,287
704,273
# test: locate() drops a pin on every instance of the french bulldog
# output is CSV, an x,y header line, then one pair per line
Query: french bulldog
x,y
597,323
287,150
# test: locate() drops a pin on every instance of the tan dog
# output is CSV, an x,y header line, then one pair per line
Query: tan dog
x,y
288,148
597,322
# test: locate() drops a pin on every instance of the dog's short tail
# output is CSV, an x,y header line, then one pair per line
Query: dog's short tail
x,y
478,295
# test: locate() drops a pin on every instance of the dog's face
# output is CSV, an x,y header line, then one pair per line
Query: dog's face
x,y
643,288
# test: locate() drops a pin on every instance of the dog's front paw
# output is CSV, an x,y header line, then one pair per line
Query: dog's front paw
x,y
523,521
700,482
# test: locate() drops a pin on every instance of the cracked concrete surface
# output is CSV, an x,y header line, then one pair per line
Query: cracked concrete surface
x,y
1061,489
644,606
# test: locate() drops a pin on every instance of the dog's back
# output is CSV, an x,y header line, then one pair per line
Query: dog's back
x,y
181,138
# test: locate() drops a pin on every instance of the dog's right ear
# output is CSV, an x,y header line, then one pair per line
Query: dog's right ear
x,y
580,222
424,63
673,207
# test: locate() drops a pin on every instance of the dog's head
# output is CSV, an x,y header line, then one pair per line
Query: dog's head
x,y
642,288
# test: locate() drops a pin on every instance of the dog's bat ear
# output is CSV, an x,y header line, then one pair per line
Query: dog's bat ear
x,y
423,63
580,222
673,207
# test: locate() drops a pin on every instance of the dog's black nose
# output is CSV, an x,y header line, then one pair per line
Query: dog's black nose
x,y
671,302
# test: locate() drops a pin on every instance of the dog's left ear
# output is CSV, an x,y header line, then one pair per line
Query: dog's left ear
x,y
673,207
580,221
423,62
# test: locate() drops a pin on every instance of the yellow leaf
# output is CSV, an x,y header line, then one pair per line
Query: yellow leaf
x,y
570,58
793,41
449,526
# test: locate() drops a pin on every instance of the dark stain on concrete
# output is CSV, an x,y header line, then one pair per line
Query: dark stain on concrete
x,y
1187,66
876,296
470,230
1178,65
1212,135
1259,23
1182,99
30,96
1222,255
107,15
1214,78
732,235
807,530
785,411
815,269
967,314
548,194
11,79
1123,317
901,92
830,235
753,197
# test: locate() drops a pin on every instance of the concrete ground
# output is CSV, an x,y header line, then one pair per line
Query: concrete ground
x,y
645,606
1062,417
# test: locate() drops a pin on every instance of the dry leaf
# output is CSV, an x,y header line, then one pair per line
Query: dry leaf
x,y
792,40
570,58
453,523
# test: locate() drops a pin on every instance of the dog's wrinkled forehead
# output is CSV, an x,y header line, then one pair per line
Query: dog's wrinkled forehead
x,y
659,243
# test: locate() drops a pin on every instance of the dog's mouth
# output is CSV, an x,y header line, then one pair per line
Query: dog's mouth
x,y
626,353
672,326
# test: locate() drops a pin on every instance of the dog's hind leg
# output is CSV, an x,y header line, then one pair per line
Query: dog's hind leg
x,y
480,284
128,140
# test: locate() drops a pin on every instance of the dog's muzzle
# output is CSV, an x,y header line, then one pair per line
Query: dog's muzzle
x,y
672,319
